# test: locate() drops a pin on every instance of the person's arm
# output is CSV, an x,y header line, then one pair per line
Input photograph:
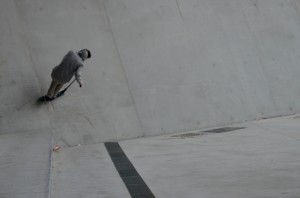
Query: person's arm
x,y
78,76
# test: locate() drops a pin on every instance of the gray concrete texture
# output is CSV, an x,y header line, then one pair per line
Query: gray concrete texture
x,y
157,67
260,161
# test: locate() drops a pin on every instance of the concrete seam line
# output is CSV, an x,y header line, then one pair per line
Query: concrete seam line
x,y
50,168
123,69
27,43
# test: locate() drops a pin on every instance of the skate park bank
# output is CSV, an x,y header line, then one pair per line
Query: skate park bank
x,y
158,68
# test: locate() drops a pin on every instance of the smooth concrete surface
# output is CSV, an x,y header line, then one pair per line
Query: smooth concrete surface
x,y
157,67
25,164
85,171
260,161
35,37
194,64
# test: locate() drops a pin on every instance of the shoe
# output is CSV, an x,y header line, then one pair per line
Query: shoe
x,y
45,99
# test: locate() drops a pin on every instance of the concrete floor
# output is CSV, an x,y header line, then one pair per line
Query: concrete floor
x,y
157,68
260,161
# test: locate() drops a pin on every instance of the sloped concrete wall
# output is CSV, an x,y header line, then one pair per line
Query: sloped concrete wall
x,y
201,63
36,35
158,66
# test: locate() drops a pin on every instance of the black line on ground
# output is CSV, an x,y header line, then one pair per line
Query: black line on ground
x,y
132,179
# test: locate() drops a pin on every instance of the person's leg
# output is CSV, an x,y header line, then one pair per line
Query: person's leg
x,y
51,89
57,88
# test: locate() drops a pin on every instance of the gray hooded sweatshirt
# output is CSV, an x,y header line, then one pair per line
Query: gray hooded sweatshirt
x,y
69,66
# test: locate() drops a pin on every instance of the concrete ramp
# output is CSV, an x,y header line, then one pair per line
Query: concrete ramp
x,y
157,66
35,37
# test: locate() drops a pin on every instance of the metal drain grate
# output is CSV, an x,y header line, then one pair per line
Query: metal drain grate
x,y
186,135
218,130
224,129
